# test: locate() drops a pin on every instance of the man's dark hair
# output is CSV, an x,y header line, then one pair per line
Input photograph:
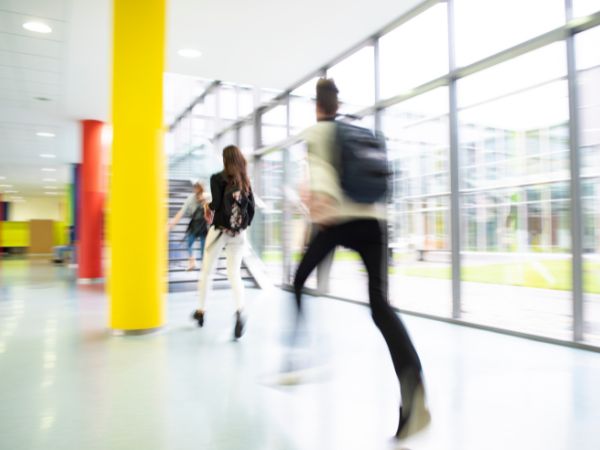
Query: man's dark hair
x,y
327,96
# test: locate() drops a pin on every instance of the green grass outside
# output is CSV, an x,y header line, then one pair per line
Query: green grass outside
x,y
538,274
550,274
273,256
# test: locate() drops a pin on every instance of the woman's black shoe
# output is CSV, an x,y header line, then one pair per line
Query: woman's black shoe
x,y
199,316
239,325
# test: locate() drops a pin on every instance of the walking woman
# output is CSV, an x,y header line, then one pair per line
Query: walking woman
x,y
231,212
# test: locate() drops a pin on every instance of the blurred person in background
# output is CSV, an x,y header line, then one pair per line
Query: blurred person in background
x,y
197,228
64,252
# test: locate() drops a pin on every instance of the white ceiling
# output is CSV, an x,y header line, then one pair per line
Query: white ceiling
x,y
266,43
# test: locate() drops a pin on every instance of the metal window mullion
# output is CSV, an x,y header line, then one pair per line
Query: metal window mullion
x,y
259,237
454,170
237,136
286,225
575,185
286,222
217,109
377,84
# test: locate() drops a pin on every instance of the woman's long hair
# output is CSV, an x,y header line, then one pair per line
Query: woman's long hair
x,y
199,191
235,168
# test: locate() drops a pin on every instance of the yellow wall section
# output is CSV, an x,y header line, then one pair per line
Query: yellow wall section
x,y
137,215
15,234
61,231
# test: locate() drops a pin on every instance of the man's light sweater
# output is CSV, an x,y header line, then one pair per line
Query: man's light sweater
x,y
324,179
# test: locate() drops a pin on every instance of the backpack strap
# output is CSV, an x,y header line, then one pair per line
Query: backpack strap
x,y
209,246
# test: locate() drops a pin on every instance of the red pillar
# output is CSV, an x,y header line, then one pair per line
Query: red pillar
x,y
91,203
2,219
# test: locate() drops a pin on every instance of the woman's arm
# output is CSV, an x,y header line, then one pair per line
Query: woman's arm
x,y
251,208
216,190
175,220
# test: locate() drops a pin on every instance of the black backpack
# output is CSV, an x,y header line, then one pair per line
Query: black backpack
x,y
237,209
362,163
197,226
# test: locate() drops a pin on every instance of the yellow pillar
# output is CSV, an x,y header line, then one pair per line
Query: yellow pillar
x,y
137,215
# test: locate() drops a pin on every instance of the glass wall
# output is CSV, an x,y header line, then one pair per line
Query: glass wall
x,y
496,125
588,78
403,65
303,106
354,76
584,7
274,125
485,27
417,137
514,172
267,230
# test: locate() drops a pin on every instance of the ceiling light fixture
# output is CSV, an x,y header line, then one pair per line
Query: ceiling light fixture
x,y
45,134
47,155
49,180
11,192
50,187
37,27
189,53
48,169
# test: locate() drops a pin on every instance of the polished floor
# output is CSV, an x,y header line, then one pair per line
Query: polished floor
x,y
67,383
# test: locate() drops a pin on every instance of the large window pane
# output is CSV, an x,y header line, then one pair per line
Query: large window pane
x,y
518,73
303,106
247,138
485,27
588,77
227,102
405,64
417,137
245,101
266,230
585,7
227,138
516,263
179,91
274,125
355,79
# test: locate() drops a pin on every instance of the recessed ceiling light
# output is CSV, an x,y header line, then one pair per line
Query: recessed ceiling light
x,y
6,185
44,134
52,193
49,180
47,155
11,192
2,178
37,27
189,53
48,169
50,187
